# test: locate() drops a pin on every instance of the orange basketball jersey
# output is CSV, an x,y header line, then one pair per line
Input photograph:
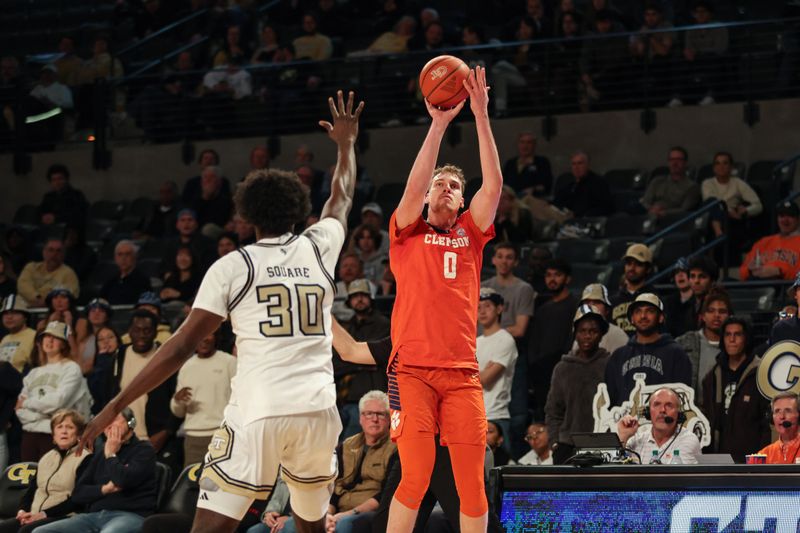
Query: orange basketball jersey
x,y
438,284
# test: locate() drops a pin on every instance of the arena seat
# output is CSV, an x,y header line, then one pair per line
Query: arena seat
x,y
163,480
27,214
626,178
623,224
707,170
13,485
585,273
752,298
107,209
388,195
182,498
583,250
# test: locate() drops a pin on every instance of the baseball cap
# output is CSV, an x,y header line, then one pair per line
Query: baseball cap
x,y
646,298
639,252
148,298
14,302
590,311
788,208
187,211
596,291
682,264
358,286
56,329
59,291
372,207
100,303
487,293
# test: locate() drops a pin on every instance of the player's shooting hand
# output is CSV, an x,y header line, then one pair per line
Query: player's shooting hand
x,y
97,425
344,128
475,84
443,117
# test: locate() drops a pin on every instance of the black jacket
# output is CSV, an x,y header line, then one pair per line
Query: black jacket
x,y
663,361
133,469
10,387
157,416
589,198
68,205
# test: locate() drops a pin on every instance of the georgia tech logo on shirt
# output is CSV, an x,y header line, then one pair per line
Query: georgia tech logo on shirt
x,y
779,370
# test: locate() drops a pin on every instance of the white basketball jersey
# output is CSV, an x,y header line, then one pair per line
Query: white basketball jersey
x,y
278,294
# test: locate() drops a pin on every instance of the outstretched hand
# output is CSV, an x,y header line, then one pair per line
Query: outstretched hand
x,y
443,117
345,120
475,84
95,428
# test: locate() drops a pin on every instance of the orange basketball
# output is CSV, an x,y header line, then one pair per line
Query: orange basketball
x,y
441,81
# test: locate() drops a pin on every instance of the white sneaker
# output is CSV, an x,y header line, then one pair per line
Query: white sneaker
x,y
675,102
707,100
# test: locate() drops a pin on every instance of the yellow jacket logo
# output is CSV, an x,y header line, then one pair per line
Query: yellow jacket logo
x,y
22,472
779,370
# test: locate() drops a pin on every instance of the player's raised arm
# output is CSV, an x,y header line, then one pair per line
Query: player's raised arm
x,y
166,361
484,204
343,131
413,200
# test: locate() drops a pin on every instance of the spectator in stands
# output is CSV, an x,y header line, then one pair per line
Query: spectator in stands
x,y
49,494
245,231
674,193
78,254
395,41
538,439
269,44
551,334
183,280
433,38
703,274
365,459
309,177
528,173
703,55
372,214
350,269
68,63
130,282
679,305
277,515
203,391
513,220
703,345
17,346
497,354
604,62
150,302
788,328
575,379
495,439
193,187
18,248
741,201
366,242
654,46
56,384
151,18
638,260
367,324
213,204
101,65
203,248
61,307
154,419
519,68
595,295
49,92
658,443
649,351
736,410
538,258
119,486
165,214
776,256
10,387
227,242
603,6
584,193
8,279
163,109
225,83
565,59
234,50
475,35
62,203
518,296
259,158
107,344
39,278
312,44
785,409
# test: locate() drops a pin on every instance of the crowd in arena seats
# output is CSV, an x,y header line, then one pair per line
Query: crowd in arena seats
x,y
102,285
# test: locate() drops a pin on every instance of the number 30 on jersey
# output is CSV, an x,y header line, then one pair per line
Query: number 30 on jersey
x,y
285,309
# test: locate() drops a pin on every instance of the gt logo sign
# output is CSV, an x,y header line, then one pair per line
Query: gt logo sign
x,y
22,472
779,370
725,509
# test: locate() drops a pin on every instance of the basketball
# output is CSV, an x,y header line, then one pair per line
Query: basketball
x,y
441,81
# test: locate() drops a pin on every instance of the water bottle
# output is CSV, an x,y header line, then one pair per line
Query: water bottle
x,y
676,458
654,458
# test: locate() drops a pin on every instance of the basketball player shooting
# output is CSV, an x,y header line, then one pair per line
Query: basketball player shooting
x,y
433,374
278,293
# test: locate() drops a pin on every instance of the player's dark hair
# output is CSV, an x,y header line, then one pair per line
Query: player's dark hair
x,y
274,201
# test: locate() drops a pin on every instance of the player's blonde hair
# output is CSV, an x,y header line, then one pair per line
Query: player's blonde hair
x,y
453,170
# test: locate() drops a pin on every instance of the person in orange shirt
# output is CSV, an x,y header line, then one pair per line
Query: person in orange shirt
x,y
785,414
776,256
434,382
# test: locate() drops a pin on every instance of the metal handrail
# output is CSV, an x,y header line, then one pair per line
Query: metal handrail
x,y
700,251
776,171
680,222
166,29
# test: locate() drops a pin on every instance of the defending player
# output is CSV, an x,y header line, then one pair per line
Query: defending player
x,y
433,376
278,293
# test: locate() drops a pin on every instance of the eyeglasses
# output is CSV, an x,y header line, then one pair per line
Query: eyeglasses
x,y
382,415
533,435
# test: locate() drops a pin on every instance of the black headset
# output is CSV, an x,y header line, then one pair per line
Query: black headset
x,y
667,419
128,415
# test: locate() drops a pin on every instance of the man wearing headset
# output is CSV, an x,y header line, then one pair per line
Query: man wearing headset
x,y
119,485
657,444
785,414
